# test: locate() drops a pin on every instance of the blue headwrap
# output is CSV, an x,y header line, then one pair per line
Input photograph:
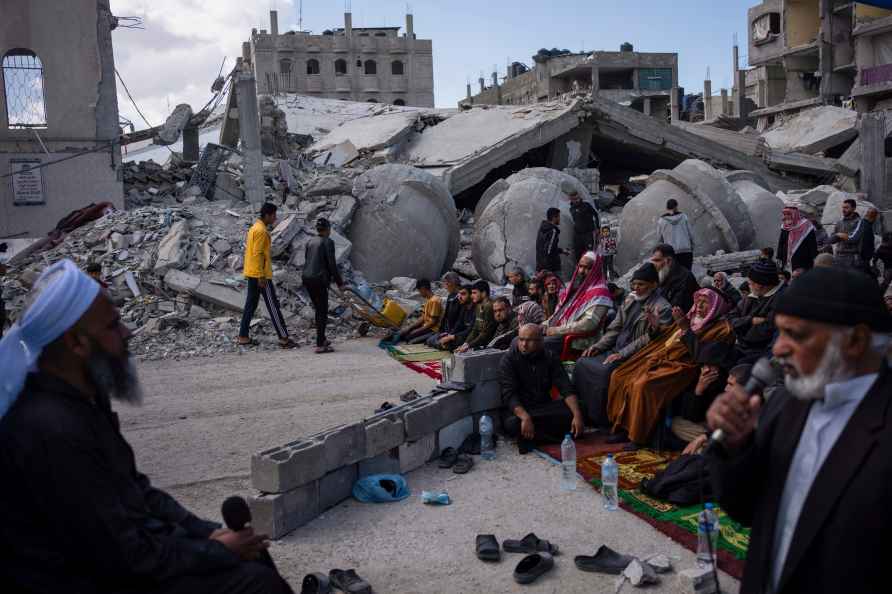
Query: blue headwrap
x,y
64,294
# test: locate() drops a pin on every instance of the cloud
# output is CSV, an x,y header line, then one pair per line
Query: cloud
x,y
177,57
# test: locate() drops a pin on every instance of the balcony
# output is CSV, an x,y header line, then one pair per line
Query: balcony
x,y
875,80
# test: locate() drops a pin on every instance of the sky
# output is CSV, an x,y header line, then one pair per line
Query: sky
x,y
178,54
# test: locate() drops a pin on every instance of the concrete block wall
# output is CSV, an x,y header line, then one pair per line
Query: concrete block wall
x,y
300,479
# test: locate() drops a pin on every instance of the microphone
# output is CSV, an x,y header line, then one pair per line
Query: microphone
x,y
236,513
763,374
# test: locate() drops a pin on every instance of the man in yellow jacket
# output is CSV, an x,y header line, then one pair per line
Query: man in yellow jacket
x,y
259,272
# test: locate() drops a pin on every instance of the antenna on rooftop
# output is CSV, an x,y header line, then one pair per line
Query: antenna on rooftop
x,y
300,15
707,74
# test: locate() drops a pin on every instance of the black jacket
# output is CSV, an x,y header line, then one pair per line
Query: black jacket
x,y
79,517
756,338
451,314
466,318
548,253
585,217
841,540
804,257
679,287
320,261
526,380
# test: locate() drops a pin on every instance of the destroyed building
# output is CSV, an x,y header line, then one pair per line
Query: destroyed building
x,y
374,64
643,81
57,99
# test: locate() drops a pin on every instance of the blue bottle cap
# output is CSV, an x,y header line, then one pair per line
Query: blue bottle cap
x,y
568,436
709,506
610,456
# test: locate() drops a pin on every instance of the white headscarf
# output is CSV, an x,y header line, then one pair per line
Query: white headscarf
x,y
64,294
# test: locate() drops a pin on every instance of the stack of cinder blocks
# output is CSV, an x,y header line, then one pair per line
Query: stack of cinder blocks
x,y
301,479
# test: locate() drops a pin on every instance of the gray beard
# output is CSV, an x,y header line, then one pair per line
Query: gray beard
x,y
664,274
831,369
115,378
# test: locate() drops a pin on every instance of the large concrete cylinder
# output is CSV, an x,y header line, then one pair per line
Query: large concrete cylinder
x,y
719,218
765,208
405,225
508,217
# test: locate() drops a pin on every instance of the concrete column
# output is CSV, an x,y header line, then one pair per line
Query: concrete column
x,y
281,81
673,106
482,84
873,166
249,131
707,100
469,91
647,106
596,80
741,107
410,74
246,51
725,105
190,144
274,23
351,56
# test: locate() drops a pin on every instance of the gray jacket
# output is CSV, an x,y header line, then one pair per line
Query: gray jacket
x,y
675,229
320,262
635,325
855,230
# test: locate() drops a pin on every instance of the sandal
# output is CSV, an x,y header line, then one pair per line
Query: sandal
x,y
529,544
247,343
347,581
463,464
471,444
323,349
410,396
488,548
448,457
383,408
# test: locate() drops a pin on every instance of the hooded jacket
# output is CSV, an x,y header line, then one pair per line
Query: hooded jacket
x,y
548,253
675,229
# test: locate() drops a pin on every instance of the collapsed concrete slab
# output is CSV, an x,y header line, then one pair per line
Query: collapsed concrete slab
x,y
405,224
510,214
765,209
371,133
719,217
463,149
173,251
814,130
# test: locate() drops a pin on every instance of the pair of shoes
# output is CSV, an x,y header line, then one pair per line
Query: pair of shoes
x,y
531,567
344,580
471,445
383,408
525,446
459,463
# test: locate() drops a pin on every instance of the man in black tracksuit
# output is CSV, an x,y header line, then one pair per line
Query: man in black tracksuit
x,y
586,223
548,252
319,271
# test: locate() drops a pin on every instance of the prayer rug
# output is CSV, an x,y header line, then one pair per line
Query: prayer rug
x,y
432,369
417,353
678,523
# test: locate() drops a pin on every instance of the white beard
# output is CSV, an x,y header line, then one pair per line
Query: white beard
x,y
664,274
831,369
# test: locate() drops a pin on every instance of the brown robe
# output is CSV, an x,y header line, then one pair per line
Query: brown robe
x,y
641,387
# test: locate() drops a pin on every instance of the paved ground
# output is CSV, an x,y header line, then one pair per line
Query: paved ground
x,y
203,418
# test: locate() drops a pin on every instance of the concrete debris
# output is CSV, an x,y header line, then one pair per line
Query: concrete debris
x,y
765,209
172,129
640,573
329,185
814,130
173,251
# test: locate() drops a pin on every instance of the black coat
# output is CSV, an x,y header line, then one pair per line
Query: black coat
x,y
451,315
842,537
548,252
754,338
79,517
679,287
804,257
527,380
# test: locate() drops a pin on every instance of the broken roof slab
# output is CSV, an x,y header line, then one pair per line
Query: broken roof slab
x,y
371,133
467,146
814,130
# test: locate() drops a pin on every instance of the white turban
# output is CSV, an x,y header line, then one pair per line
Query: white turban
x,y
64,294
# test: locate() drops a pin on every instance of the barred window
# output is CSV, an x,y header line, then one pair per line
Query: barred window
x,y
285,66
24,89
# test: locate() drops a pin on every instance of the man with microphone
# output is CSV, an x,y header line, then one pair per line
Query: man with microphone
x,y
810,469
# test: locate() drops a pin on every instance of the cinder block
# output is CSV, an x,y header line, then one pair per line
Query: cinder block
x,y
452,435
476,366
453,406
282,469
422,419
414,454
386,463
277,514
343,445
382,435
337,486
486,396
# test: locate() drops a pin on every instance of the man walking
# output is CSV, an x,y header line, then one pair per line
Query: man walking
x,y
258,270
548,252
320,270
586,222
674,229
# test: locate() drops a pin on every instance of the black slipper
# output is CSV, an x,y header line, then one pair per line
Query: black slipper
x,y
315,583
529,544
410,396
488,548
471,445
532,567
347,581
448,458
384,407
463,464
605,560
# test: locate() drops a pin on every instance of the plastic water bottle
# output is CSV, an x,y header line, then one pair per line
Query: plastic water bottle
x,y
487,445
568,464
707,537
610,483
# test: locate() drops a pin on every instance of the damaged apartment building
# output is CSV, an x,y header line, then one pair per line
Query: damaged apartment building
x,y
644,81
57,99
374,64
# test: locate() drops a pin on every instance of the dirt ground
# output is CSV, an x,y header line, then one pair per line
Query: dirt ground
x,y
203,418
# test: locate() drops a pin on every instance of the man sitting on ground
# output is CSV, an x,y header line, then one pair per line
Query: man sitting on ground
x,y
519,292
643,315
484,322
527,373
81,517
506,324
583,305
431,314
677,283
720,281
754,319
454,321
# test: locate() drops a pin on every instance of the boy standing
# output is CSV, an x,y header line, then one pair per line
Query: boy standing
x,y
320,270
608,241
